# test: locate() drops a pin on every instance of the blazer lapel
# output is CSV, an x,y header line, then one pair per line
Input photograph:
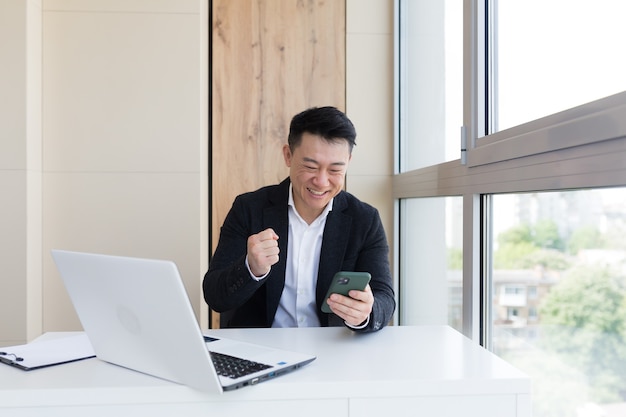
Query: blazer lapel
x,y
334,245
276,216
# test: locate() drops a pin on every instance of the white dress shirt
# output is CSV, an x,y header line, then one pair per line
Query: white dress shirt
x,y
297,306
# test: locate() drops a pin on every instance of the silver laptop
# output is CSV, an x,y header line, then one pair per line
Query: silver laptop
x,y
137,314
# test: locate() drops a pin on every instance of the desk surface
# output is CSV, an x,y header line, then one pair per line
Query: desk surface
x,y
396,362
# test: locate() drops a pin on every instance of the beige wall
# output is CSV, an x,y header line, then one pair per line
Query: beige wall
x,y
120,165
124,144
369,103
20,171
116,159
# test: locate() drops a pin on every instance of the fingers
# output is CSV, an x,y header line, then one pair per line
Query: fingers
x,y
355,309
262,251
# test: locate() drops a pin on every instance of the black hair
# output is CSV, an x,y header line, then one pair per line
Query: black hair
x,y
327,122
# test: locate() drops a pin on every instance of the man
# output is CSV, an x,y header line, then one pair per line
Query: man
x,y
281,245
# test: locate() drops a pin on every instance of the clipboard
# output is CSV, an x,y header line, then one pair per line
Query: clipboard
x,y
41,354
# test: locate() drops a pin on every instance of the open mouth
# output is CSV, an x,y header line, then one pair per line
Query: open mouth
x,y
316,193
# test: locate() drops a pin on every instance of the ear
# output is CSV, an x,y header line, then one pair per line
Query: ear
x,y
287,155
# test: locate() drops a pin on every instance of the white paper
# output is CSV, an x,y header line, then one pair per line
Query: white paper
x,y
49,352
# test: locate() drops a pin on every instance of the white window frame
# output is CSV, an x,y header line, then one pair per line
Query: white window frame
x,y
582,147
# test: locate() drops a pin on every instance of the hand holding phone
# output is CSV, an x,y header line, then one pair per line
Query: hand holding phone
x,y
343,282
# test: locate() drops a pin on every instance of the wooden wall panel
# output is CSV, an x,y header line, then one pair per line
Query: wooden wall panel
x,y
270,60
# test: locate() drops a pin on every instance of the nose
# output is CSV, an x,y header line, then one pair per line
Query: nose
x,y
321,179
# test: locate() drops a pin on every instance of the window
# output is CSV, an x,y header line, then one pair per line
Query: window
x,y
508,290
570,336
432,81
432,285
555,54
546,149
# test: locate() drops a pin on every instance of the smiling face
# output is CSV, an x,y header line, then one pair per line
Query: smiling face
x,y
317,169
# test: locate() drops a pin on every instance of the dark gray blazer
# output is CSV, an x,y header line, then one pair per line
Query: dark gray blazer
x,y
354,240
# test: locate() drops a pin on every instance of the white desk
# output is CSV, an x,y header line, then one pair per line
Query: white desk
x,y
399,371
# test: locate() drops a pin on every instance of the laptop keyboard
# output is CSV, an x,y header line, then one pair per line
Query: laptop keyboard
x,y
233,367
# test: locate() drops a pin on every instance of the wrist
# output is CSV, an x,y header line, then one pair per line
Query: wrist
x,y
253,275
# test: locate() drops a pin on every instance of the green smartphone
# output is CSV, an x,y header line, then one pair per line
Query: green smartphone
x,y
343,282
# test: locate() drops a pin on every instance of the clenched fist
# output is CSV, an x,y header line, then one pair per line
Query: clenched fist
x,y
262,252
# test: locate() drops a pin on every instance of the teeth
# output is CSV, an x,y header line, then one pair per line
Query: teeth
x,y
316,192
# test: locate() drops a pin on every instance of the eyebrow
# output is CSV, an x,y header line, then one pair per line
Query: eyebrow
x,y
305,159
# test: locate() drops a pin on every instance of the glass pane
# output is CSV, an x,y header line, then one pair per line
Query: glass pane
x,y
559,297
431,91
431,261
552,55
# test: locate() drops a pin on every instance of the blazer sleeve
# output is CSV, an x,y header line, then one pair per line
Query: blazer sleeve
x,y
374,258
227,283
355,240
